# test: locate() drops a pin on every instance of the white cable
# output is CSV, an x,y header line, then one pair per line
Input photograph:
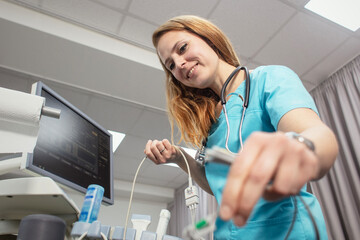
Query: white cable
x,y
133,187
192,212
82,236
187,165
131,195
85,233
103,236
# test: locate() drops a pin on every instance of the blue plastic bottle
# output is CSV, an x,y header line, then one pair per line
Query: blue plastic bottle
x,y
92,203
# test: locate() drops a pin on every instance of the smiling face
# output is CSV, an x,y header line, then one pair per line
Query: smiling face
x,y
189,59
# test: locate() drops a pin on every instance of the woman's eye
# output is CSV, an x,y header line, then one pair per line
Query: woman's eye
x,y
171,66
183,47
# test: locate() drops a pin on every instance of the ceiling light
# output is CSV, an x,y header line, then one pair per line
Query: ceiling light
x,y
117,139
343,12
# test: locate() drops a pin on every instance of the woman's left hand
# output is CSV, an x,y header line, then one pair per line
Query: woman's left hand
x,y
271,165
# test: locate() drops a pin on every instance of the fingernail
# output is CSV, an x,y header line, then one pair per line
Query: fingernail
x,y
239,220
225,212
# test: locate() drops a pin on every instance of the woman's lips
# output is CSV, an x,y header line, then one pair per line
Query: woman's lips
x,y
191,71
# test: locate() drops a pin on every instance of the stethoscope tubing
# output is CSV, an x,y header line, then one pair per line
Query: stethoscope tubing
x,y
247,85
201,152
245,104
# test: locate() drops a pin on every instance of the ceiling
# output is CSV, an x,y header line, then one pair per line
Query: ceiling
x,y
98,55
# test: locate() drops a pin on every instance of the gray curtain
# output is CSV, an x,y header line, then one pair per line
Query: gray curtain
x,y
180,215
338,102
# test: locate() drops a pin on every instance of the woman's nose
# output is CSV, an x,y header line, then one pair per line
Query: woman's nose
x,y
180,62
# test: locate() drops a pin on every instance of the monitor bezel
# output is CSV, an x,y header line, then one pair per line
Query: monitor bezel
x,y
36,90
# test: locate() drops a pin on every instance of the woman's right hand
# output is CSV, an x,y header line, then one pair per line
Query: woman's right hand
x,y
161,151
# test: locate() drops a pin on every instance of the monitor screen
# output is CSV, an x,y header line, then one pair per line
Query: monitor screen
x,y
73,150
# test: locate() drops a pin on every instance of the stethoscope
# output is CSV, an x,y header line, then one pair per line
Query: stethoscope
x,y
200,154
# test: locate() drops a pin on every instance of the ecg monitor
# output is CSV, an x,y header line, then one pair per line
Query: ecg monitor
x,y
74,150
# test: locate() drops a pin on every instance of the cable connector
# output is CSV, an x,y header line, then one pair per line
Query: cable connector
x,y
191,197
192,200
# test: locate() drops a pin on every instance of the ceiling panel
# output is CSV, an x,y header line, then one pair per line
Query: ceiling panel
x,y
114,114
138,31
161,10
161,172
349,50
63,7
179,180
86,12
159,182
252,22
116,4
32,2
287,47
152,125
125,167
132,146
159,176
299,3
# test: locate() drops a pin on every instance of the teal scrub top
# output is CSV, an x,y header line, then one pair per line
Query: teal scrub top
x,y
274,90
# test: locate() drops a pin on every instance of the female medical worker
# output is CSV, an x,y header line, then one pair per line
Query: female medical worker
x,y
198,58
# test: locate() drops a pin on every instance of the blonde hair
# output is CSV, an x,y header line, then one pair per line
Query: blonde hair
x,y
193,109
